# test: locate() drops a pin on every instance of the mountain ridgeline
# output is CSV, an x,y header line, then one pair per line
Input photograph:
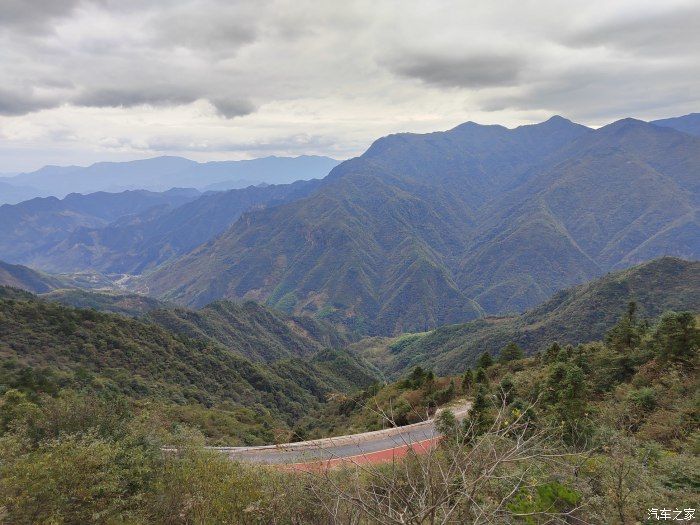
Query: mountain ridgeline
x,y
162,173
426,230
577,315
420,231
98,232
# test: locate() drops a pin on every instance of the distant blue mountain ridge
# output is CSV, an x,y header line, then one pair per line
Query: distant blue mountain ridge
x,y
160,174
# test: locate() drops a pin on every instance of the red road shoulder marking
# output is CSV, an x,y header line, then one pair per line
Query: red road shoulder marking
x,y
378,456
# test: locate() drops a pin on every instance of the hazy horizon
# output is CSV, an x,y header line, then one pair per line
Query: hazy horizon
x,y
202,157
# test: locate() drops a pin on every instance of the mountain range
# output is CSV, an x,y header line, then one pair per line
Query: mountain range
x,y
126,232
161,174
425,230
420,231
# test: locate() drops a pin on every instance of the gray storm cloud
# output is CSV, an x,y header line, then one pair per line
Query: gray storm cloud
x,y
472,71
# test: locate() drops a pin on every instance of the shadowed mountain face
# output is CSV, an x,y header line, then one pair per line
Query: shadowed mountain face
x,y
34,226
424,230
126,232
24,278
576,315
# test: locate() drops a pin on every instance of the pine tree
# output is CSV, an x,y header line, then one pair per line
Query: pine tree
x,y
625,335
446,423
485,360
571,407
676,336
478,419
507,389
481,377
510,353
551,353
467,381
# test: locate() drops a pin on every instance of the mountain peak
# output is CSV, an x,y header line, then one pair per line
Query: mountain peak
x,y
626,123
554,124
471,125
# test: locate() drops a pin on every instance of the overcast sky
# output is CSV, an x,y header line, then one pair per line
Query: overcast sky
x,y
89,80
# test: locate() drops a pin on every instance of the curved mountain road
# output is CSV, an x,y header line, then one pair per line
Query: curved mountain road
x,y
367,447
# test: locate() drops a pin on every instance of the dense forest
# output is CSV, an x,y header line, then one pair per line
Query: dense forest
x,y
236,390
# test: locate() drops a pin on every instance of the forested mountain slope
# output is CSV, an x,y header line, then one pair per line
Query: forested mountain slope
x,y
145,360
35,225
137,243
576,315
126,232
424,230
687,123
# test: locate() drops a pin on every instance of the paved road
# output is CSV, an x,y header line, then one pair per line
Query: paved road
x,y
380,445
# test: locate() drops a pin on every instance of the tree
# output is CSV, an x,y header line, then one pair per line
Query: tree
x,y
467,380
446,423
676,336
507,390
481,377
485,360
478,420
571,407
510,353
625,335
551,353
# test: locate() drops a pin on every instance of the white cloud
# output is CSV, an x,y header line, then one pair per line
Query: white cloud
x,y
106,79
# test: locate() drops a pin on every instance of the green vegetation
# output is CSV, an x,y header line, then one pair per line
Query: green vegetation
x,y
18,276
577,315
410,400
119,303
595,433
209,382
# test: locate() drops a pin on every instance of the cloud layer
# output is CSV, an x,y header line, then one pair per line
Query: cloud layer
x,y
105,79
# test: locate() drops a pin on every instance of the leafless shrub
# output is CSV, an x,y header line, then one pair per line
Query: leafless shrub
x,y
466,479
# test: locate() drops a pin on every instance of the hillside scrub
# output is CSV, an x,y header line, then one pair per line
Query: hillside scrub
x,y
596,433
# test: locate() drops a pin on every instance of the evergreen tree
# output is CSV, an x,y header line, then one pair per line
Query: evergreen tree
x,y
557,372
467,380
510,353
571,407
478,419
429,383
446,423
481,377
676,336
485,360
565,354
581,358
551,353
625,335
416,378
